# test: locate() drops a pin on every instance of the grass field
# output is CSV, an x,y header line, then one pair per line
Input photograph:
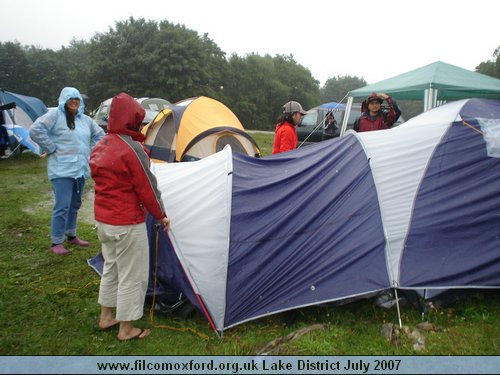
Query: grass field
x,y
48,304
264,140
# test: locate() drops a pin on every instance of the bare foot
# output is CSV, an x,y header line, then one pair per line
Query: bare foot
x,y
136,333
105,325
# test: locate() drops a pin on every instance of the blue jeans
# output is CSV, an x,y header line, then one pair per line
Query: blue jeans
x,y
67,201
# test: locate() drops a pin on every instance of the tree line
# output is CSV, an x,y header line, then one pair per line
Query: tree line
x,y
169,61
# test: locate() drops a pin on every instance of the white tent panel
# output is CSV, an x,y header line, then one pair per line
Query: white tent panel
x,y
197,198
398,159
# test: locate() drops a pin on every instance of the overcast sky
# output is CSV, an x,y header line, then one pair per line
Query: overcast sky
x,y
370,39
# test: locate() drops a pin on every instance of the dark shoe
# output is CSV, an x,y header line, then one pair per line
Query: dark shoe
x,y
59,250
78,242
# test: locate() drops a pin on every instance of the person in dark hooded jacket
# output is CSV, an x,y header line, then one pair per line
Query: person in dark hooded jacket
x,y
124,189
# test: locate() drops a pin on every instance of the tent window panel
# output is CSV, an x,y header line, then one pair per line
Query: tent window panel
x,y
16,116
166,134
159,153
224,140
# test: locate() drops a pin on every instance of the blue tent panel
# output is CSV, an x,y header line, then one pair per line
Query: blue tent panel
x,y
33,107
96,263
454,237
480,108
333,105
166,276
305,227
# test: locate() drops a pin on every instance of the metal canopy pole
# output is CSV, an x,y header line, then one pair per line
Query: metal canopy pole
x,y
430,98
347,113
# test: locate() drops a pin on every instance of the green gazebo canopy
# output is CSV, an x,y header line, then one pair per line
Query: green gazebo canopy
x,y
450,83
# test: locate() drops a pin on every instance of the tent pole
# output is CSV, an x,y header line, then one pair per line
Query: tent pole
x,y
322,122
347,113
425,298
397,305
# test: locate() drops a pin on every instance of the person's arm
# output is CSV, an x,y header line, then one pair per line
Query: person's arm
x,y
335,127
145,184
96,133
396,109
39,131
391,116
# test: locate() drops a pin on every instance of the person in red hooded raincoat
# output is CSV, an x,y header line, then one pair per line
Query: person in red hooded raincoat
x,y
285,137
124,189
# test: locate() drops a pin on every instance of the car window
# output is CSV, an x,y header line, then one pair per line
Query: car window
x,y
310,118
102,113
155,104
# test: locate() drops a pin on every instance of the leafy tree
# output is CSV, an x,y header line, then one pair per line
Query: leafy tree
x,y
39,72
190,65
144,58
491,67
46,74
249,83
256,87
335,89
77,65
118,60
302,86
13,67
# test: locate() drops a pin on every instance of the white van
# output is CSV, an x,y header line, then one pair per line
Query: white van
x,y
151,105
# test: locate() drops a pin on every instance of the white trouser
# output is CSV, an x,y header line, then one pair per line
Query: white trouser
x,y
126,269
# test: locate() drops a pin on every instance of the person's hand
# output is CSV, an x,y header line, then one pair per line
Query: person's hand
x,y
166,223
383,96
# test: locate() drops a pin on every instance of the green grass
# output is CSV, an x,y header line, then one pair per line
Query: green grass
x,y
264,141
48,304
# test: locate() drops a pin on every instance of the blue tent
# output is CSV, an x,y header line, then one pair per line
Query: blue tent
x,y
333,106
414,207
17,113
31,106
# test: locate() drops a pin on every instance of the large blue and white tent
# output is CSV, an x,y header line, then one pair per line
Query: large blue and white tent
x,y
413,207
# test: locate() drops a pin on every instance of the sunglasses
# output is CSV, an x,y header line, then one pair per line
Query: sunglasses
x,y
74,99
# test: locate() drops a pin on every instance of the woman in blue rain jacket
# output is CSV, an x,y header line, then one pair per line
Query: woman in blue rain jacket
x,y
67,135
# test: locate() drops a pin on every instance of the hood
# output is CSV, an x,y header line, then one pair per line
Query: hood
x,y
67,93
125,117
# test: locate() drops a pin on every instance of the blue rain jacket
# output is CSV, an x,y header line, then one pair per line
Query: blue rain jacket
x,y
68,149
